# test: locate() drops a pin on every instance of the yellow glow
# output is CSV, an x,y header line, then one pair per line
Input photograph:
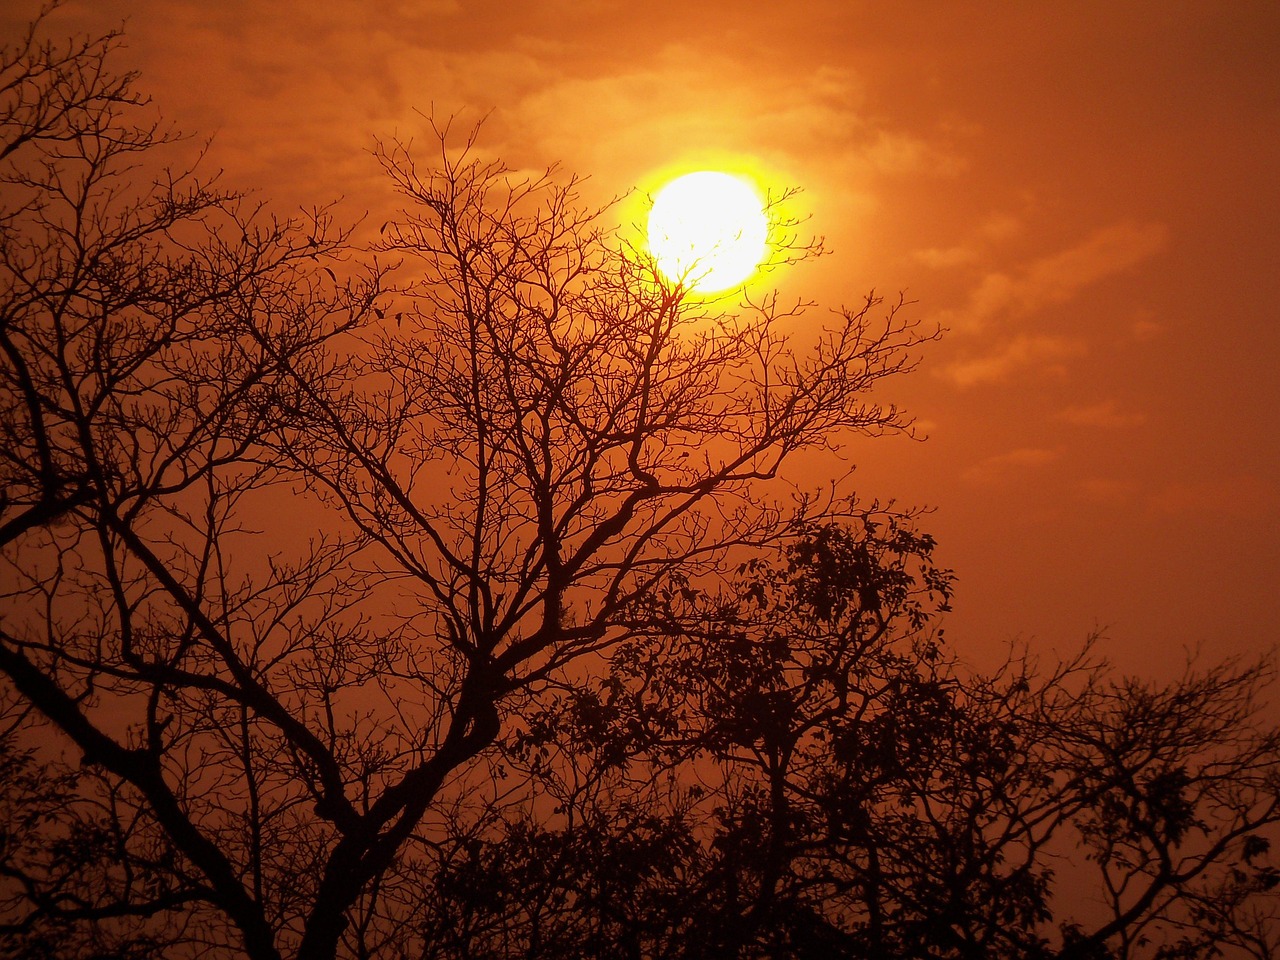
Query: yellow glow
x,y
708,230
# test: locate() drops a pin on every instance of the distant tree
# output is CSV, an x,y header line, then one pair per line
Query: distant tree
x,y
449,613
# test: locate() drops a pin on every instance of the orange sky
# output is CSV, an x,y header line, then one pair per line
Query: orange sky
x,y
1084,194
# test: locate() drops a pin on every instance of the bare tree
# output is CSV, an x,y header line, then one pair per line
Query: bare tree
x,y
507,457
541,435
145,321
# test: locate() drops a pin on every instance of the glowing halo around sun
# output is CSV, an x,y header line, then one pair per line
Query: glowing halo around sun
x,y
708,231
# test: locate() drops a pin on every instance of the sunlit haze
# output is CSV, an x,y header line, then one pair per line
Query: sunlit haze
x,y
1082,194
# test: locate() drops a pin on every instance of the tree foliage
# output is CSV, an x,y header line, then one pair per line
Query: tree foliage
x,y
810,773
432,599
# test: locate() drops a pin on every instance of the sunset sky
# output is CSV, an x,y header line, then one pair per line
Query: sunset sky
x,y
1085,195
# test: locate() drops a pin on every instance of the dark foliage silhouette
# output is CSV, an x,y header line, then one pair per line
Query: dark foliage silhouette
x,y
808,773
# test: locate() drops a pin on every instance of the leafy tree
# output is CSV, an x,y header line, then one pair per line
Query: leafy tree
x,y
446,610
809,773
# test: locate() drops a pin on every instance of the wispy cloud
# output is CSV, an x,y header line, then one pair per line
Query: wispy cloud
x,y
1057,278
1042,352
1144,326
996,227
1005,466
1239,495
1104,414
1108,490
940,258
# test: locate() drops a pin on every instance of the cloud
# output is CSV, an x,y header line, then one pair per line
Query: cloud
x,y
1058,278
1025,351
1110,250
684,102
1144,327
943,257
996,227
1004,466
1000,226
1242,495
1107,490
1103,414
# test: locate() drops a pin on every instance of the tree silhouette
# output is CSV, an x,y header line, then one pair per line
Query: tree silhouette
x,y
445,610
809,773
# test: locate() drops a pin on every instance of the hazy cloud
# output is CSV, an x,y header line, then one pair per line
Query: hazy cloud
x,y
1059,277
1145,327
996,227
1000,226
1043,352
1240,495
1107,490
942,257
683,101
1104,414
1005,466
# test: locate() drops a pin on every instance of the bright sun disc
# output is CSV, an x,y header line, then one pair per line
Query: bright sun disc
x,y
707,230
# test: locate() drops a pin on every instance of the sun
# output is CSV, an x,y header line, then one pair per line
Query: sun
x,y
708,230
